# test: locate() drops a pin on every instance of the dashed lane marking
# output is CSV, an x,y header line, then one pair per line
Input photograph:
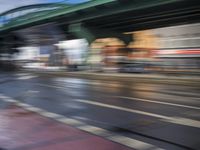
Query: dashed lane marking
x,y
49,114
53,86
159,102
132,98
111,85
95,130
34,109
22,104
129,142
7,99
26,77
22,74
70,121
133,143
175,120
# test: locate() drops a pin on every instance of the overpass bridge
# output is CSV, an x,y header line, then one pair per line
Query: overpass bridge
x,y
95,18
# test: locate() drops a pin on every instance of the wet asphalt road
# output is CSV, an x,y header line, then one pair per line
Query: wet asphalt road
x,y
164,115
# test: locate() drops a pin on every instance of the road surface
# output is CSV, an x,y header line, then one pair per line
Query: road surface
x,y
136,115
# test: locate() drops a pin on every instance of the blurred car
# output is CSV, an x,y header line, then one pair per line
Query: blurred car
x,y
133,68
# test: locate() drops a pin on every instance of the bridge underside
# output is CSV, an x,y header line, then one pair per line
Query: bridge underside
x,y
137,19
113,19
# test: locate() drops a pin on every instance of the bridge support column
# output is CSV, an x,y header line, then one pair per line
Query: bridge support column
x,y
91,33
82,32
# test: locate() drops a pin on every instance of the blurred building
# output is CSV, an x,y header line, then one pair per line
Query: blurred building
x,y
74,52
179,47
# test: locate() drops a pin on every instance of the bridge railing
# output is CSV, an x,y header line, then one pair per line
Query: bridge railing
x,y
28,12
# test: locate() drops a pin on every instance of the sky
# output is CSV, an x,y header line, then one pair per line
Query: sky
x,y
10,4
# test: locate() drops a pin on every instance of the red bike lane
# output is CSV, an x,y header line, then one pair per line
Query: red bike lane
x,y
24,130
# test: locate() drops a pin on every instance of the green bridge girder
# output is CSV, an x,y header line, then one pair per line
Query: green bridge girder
x,y
15,16
46,5
91,34
85,11
31,19
106,18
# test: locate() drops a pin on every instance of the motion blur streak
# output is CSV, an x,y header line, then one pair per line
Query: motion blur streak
x,y
100,75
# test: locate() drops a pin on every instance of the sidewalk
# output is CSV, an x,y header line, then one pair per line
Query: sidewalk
x,y
25,130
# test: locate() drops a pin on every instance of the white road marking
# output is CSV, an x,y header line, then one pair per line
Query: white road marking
x,y
70,121
184,121
54,86
49,114
22,104
34,109
22,74
122,108
26,77
116,85
95,130
132,143
175,120
136,144
159,102
32,91
131,98
7,99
